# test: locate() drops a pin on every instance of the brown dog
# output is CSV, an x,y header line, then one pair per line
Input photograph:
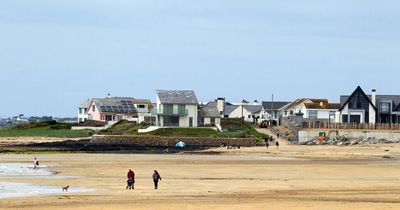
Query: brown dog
x,y
65,188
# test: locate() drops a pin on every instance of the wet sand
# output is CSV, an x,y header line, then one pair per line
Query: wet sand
x,y
293,177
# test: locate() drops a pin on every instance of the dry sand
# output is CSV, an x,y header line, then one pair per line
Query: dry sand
x,y
318,177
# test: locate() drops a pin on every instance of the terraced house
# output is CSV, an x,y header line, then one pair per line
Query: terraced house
x,y
177,108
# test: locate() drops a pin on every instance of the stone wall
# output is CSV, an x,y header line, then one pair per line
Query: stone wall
x,y
372,136
157,141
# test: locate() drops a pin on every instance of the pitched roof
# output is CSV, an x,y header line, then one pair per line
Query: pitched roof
x,y
119,105
177,97
358,89
85,104
229,109
253,108
209,111
322,106
275,105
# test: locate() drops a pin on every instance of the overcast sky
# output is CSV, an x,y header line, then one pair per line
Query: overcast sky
x,y
55,54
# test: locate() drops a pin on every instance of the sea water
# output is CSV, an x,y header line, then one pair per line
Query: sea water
x,y
14,190
26,171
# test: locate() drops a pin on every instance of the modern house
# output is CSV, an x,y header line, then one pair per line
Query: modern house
x,y
177,108
312,109
272,110
208,116
362,108
83,111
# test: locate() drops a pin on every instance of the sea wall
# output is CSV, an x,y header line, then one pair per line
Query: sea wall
x,y
157,141
372,136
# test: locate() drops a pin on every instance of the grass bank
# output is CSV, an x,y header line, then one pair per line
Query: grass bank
x,y
44,129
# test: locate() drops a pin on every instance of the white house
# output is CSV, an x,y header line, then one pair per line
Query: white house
x,y
83,111
312,109
177,108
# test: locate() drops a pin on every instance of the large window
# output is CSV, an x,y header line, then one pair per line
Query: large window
x,y
313,114
384,107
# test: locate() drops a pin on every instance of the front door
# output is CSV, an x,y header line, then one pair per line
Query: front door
x,y
190,121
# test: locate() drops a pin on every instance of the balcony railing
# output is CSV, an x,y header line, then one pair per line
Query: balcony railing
x,y
172,112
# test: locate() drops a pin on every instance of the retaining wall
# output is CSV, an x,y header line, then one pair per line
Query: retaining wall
x,y
306,135
157,141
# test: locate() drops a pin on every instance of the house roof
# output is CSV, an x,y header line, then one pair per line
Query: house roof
x,y
143,101
85,104
347,98
322,106
177,97
253,108
121,105
229,109
209,111
268,105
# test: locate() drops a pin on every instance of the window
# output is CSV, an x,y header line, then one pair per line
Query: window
x,y
93,108
384,107
313,114
249,116
182,109
141,106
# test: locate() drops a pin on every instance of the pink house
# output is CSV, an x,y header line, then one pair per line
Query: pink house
x,y
112,109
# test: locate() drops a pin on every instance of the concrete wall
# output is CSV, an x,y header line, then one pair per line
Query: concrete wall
x,y
171,141
306,135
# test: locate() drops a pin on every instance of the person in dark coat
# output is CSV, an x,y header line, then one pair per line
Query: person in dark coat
x,y
277,144
156,178
131,180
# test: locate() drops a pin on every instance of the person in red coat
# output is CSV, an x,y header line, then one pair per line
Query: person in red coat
x,y
131,180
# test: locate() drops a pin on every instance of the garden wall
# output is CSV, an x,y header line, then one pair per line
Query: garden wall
x,y
157,141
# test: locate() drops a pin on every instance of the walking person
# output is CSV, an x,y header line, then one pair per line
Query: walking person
x,y
156,178
266,142
277,144
131,180
277,135
35,163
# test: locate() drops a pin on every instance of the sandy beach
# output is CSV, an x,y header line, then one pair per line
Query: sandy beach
x,y
293,177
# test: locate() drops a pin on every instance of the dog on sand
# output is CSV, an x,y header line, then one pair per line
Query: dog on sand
x,y
65,188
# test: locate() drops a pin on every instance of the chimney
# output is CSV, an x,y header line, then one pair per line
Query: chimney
x,y
221,106
373,97
255,102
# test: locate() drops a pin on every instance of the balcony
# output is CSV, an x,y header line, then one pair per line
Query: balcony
x,y
182,112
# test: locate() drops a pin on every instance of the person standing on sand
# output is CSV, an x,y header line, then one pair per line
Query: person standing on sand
x,y
266,142
277,135
131,180
277,144
156,178
35,163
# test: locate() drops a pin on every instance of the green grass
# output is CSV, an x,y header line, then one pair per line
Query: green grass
x,y
232,129
44,129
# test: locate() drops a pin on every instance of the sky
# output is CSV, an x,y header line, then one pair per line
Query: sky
x,y
55,54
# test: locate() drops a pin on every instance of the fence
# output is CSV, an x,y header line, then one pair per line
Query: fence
x,y
350,126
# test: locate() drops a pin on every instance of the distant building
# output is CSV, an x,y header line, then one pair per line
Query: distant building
x,y
272,110
114,109
249,112
312,109
373,108
177,108
208,116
